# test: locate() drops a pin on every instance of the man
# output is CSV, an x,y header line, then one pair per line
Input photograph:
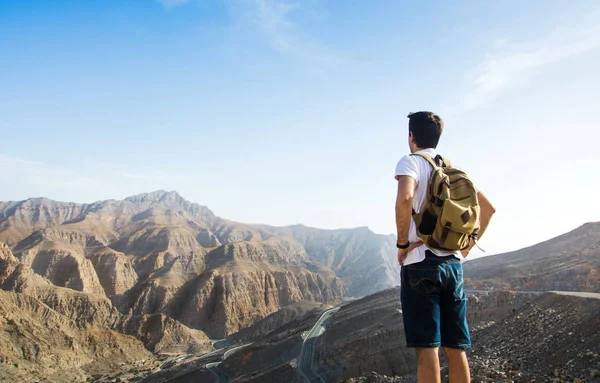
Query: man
x,y
434,303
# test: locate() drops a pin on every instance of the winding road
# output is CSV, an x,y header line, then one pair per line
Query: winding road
x,y
222,377
578,294
229,352
305,366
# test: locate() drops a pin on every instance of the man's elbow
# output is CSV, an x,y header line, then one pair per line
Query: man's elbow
x,y
485,205
403,200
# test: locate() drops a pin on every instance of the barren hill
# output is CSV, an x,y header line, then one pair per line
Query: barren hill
x,y
570,262
87,309
39,344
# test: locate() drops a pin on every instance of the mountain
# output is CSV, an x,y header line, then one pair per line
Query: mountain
x,y
39,344
157,253
158,332
570,262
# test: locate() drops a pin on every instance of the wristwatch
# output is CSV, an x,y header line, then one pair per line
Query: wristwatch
x,y
405,246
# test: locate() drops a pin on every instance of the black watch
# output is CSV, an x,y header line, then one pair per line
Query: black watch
x,y
405,246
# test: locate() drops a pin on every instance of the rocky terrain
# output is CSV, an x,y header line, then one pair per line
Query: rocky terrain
x,y
368,334
517,337
108,291
553,338
270,358
570,262
174,275
38,344
275,321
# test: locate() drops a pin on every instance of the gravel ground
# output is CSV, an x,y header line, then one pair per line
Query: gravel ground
x,y
552,339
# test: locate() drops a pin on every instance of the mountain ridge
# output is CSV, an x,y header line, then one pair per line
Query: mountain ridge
x,y
570,262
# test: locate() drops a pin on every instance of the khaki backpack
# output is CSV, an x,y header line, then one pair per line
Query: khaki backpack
x,y
450,218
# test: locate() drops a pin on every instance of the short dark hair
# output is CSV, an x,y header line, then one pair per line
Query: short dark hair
x,y
426,127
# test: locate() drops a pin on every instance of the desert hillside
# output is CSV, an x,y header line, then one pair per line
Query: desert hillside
x,y
569,262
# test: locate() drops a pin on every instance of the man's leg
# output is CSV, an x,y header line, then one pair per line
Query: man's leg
x,y
455,329
458,365
428,370
420,294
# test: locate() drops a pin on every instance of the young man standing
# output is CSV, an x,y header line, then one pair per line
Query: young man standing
x,y
434,304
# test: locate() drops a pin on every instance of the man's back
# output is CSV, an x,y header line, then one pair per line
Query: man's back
x,y
420,170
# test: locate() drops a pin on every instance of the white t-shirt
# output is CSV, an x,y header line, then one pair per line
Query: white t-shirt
x,y
419,169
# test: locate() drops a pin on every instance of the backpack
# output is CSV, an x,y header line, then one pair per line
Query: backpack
x,y
450,218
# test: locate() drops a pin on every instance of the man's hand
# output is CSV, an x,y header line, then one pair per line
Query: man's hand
x,y
465,252
402,253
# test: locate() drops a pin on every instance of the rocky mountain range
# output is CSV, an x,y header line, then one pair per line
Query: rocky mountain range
x,y
171,273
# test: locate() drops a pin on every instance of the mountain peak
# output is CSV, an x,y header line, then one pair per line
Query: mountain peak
x,y
38,201
157,196
589,227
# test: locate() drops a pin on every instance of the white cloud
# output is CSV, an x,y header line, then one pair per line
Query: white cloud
x,y
275,19
174,3
8,160
518,62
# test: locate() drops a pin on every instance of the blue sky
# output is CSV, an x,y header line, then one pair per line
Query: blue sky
x,y
286,112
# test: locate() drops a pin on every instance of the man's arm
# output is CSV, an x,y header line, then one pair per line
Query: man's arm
x,y
404,202
486,210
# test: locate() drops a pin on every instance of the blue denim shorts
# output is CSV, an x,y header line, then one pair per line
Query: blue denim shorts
x,y
434,304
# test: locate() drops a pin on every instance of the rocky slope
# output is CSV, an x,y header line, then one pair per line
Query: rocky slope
x,y
271,358
365,261
274,321
368,334
86,313
39,344
20,219
553,338
244,282
570,262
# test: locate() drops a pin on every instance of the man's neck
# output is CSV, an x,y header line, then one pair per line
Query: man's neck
x,y
417,149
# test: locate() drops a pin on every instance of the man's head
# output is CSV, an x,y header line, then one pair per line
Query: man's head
x,y
424,130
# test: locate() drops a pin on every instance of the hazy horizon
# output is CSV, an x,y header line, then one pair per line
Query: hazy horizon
x,y
475,253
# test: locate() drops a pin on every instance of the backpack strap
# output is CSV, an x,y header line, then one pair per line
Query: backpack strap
x,y
429,159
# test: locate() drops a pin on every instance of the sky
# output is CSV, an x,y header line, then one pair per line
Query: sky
x,y
285,112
